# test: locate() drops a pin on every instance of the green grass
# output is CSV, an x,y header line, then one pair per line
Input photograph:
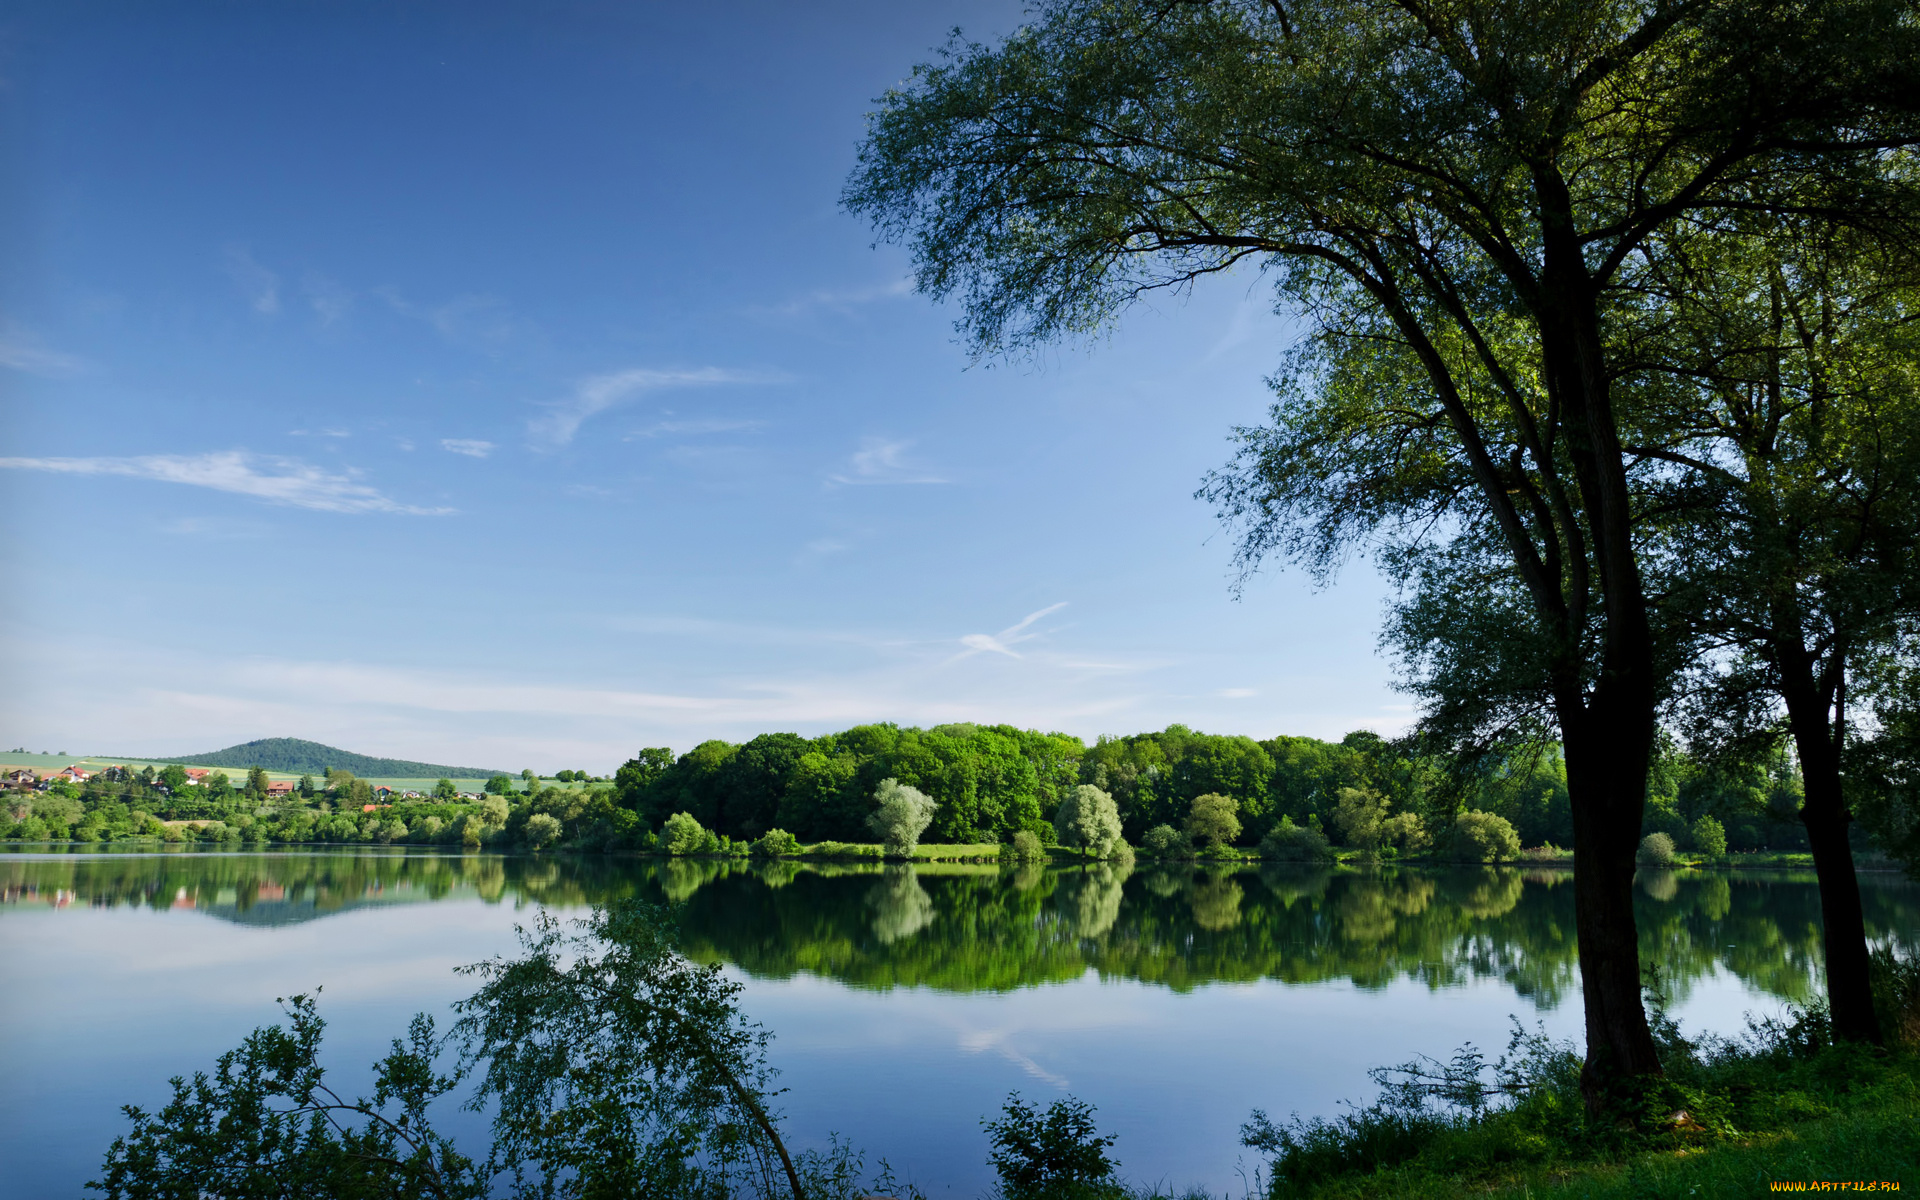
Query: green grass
x,y
925,852
1781,1106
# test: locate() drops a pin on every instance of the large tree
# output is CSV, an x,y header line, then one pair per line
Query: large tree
x,y
1786,372
1474,184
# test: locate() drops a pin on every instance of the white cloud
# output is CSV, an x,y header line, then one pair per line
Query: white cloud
x,y
276,480
718,425
260,285
471,447
329,300
1004,641
599,393
1236,693
21,350
470,317
326,433
842,299
881,460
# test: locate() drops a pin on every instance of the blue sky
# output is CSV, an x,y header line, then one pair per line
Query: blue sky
x,y
502,384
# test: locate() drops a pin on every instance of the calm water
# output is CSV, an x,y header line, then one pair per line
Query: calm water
x,y
906,1003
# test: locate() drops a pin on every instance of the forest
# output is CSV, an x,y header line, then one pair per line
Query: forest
x,y
988,783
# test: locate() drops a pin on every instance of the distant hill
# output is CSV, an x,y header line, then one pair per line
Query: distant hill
x,y
296,756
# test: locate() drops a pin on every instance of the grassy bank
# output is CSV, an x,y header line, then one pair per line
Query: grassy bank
x,y
1781,1109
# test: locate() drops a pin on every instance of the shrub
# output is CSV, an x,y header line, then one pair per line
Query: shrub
x,y
1288,842
1213,819
1025,847
901,814
1164,841
542,829
774,843
1409,832
1656,850
681,834
1361,815
1482,837
1710,837
1055,1155
1088,819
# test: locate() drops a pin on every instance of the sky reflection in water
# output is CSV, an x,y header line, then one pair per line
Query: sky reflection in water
x,y
906,1004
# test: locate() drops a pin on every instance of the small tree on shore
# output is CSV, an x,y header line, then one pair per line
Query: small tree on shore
x,y
1214,819
901,814
1088,820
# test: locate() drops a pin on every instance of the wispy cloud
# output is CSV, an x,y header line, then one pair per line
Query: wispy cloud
x,y
276,480
329,300
22,350
1004,641
470,317
1236,693
471,447
882,460
599,393
841,299
325,433
685,428
260,285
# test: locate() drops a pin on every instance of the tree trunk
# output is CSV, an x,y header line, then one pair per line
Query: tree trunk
x,y
1606,782
1824,813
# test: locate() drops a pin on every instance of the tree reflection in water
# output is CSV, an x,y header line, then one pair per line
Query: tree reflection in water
x,y
974,927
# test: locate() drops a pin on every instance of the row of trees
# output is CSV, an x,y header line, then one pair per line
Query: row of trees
x,y
982,784
991,782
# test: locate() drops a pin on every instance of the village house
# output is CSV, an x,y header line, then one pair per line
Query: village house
x,y
280,787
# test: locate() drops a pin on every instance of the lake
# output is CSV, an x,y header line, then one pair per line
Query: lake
x,y
906,1002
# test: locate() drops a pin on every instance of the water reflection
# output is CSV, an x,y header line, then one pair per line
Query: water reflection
x,y
976,927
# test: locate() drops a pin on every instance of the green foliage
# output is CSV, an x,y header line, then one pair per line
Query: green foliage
x,y
1058,1154
1288,842
1361,817
1519,1126
1481,837
775,843
1164,841
615,1067
265,1125
290,755
1024,848
1088,820
900,815
499,785
443,791
1656,850
541,830
1213,819
683,835
1709,837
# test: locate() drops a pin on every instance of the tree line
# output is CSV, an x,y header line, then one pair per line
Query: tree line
x,y
987,784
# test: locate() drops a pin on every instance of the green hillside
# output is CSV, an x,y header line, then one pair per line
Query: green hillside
x,y
297,756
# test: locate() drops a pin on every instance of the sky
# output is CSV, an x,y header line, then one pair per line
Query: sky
x,y
504,384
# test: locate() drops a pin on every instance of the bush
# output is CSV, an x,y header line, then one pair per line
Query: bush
x,y
542,829
681,834
1213,819
1088,819
1025,847
901,814
1656,850
1164,841
1710,837
1288,842
1056,1155
1482,837
774,843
